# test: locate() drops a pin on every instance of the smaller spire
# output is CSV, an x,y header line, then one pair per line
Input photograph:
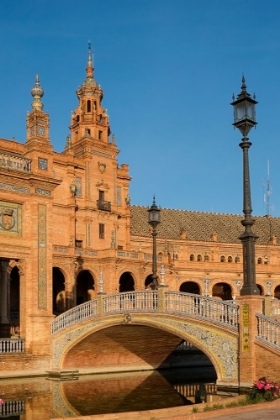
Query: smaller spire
x,y
243,86
37,92
89,68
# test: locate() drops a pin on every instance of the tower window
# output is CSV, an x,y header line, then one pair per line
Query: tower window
x,y
101,231
88,106
99,135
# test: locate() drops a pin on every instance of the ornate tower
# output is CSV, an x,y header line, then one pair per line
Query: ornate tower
x,y
89,120
37,123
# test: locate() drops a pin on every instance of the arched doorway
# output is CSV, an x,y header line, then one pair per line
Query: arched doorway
x,y
190,287
85,289
59,301
260,289
277,292
15,301
222,291
126,283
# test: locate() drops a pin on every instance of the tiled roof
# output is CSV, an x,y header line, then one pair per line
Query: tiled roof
x,y
201,226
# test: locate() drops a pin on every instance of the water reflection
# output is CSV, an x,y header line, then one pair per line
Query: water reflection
x,y
107,393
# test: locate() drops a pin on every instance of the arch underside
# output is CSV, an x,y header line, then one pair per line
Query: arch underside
x,y
142,342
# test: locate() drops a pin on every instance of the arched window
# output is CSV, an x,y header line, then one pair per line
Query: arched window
x,y
199,257
223,258
206,257
88,105
237,259
191,257
229,259
259,260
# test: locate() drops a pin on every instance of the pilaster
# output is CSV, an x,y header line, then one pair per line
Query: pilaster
x,y
249,305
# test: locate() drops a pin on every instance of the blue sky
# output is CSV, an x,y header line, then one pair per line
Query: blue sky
x,y
168,70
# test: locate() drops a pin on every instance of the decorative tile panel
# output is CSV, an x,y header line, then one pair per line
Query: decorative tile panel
x,y
15,188
10,218
42,257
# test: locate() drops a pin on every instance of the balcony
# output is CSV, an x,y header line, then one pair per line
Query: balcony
x,y
14,162
103,205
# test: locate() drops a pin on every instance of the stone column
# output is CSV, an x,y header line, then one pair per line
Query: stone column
x,y
249,305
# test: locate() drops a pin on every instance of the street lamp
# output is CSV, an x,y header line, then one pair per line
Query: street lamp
x,y
153,219
244,120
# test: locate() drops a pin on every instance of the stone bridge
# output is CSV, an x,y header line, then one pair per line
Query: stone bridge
x,y
139,330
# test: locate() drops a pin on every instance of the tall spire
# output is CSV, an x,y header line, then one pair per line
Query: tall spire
x,y
89,68
37,92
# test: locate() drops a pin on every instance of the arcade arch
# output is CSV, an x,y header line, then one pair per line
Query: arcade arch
x,y
222,291
58,281
85,287
126,283
277,292
190,287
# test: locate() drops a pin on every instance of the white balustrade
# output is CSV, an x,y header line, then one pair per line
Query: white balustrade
x,y
268,330
84,311
12,408
221,312
275,307
11,345
145,301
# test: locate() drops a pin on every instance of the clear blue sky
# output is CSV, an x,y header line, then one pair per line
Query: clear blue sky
x,y
168,69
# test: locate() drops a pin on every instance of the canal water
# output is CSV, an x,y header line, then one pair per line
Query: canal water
x,y
44,398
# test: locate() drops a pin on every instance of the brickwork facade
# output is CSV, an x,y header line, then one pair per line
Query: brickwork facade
x,y
69,231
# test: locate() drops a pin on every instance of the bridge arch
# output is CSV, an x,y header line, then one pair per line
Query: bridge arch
x,y
143,340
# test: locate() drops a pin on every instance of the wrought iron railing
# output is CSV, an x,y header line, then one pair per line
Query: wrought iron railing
x,y
268,331
12,345
103,205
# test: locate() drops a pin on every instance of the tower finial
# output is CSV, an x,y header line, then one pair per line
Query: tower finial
x,y
89,63
243,86
37,92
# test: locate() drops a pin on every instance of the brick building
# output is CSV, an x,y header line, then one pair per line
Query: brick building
x,y
68,229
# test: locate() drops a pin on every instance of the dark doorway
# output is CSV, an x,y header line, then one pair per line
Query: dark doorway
x,y
190,287
59,301
126,283
85,289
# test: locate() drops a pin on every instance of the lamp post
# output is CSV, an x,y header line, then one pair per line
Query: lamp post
x,y
153,219
244,120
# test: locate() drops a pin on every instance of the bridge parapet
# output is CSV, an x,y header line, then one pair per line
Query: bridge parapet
x,y
268,331
152,301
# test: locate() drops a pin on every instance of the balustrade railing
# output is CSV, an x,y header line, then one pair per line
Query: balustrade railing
x,y
221,312
185,304
131,301
268,330
15,162
275,307
86,310
12,408
11,345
